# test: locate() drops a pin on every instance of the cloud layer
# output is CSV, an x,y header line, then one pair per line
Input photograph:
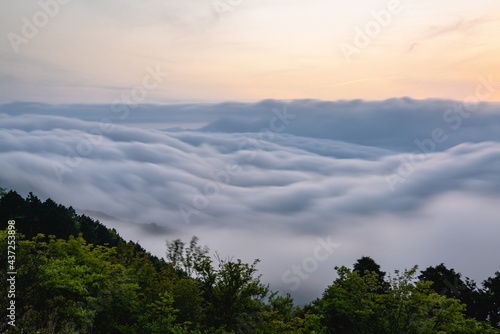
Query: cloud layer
x,y
408,181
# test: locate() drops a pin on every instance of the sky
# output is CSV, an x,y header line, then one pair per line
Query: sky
x,y
303,133
68,51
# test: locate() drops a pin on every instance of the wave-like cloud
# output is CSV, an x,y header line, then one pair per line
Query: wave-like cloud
x,y
275,176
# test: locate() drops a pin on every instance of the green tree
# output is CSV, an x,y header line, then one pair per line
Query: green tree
x,y
449,283
30,263
367,264
281,315
158,317
49,218
188,299
492,299
232,290
353,305
445,281
349,305
185,258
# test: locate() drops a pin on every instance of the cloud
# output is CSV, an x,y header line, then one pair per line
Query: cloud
x,y
460,26
249,191
392,124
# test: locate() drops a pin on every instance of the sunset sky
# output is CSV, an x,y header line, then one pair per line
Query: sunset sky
x,y
247,50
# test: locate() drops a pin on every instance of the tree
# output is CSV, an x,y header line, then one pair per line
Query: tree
x,y
445,281
187,296
66,284
354,304
232,290
449,283
185,258
280,315
366,264
50,218
30,263
349,304
492,299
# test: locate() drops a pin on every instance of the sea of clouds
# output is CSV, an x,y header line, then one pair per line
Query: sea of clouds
x,y
303,185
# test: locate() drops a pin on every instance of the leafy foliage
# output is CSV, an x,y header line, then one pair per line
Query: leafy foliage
x,y
77,276
52,219
354,303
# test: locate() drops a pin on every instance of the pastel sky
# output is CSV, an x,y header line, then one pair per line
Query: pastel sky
x,y
95,51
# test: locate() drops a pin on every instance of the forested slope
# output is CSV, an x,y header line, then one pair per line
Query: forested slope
x,y
74,275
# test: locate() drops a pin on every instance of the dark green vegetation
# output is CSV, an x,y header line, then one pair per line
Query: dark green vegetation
x,y
77,276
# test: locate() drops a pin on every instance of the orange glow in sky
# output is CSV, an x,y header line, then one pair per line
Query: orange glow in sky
x,y
250,50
